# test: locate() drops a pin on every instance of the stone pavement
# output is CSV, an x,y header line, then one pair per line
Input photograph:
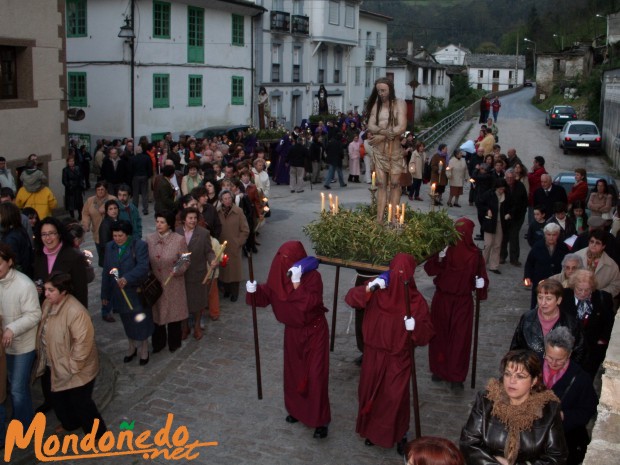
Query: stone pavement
x,y
210,385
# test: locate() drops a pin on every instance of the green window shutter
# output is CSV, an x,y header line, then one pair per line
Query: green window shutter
x,y
195,90
161,90
77,89
76,18
195,35
161,20
238,30
237,90
155,136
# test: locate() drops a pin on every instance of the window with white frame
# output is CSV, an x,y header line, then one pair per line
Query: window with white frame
x,y
358,75
349,15
337,65
322,66
275,62
296,76
480,73
368,77
334,12
496,74
378,40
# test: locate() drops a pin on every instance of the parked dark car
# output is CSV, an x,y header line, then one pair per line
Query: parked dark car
x,y
580,135
567,179
558,115
214,131
528,83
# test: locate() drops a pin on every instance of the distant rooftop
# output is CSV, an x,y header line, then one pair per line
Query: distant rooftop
x,y
476,60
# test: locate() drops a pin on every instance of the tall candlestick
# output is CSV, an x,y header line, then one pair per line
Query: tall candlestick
x,y
397,211
402,215
322,202
389,213
433,186
336,205
374,179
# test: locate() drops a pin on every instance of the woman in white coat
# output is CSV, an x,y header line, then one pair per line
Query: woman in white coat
x,y
457,170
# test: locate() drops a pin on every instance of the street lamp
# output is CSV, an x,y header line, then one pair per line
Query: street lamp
x,y
601,17
531,41
561,40
127,32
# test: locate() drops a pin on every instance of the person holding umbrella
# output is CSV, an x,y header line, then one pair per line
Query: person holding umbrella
x,y
392,326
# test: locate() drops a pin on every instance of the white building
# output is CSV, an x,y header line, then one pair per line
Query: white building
x,y
368,59
419,73
451,54
192,65
306,44
495,72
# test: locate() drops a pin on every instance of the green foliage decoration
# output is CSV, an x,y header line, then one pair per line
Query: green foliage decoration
x,y
355,235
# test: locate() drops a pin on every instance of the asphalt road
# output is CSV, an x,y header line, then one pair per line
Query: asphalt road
x,y
210,385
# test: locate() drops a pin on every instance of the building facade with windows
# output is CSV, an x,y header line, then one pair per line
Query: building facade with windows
x,y
191,63
495,73
33,117
451,54
308,43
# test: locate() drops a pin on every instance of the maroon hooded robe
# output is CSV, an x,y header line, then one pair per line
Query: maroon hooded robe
x,y
306,335
452,308
384,406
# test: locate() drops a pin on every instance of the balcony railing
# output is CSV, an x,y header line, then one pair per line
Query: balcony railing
x,y
301,24
280,21
370,53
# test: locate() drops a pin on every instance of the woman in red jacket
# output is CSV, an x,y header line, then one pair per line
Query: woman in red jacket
x,y
579,191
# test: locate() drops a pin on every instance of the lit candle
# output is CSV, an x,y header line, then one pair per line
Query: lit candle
x,y
331,201
433,186
336,206
402,215
440,166
397,211
322,202
389,213
374,179
267,163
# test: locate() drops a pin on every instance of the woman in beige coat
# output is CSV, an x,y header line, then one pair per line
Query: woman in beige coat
x,y
235,231
68,359
457,170
165,248
416,168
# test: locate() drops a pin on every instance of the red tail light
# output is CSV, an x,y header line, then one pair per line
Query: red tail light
x,y
598,139
553,115
567,138
574,116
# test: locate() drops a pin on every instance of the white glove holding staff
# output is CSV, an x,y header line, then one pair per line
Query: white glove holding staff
x,y
250,287
479,282
409,323
295,274
442,254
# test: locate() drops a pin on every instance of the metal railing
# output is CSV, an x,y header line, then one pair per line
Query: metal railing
x,y
433,134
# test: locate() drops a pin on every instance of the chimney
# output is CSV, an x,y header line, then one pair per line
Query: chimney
x,y
410,49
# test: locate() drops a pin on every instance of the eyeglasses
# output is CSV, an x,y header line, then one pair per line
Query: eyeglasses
x,y
49,234
519,376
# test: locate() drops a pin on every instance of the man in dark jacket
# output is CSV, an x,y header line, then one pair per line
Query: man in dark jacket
x,y
334,155
114,170
141,169
297,156
518,194
548,194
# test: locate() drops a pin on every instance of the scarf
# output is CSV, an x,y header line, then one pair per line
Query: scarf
x,y
553,376
51,254
123,248
584,309
516,418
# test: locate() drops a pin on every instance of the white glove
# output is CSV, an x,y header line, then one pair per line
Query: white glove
x,y
442,254
409,323
377,282
507,216
295,274
250,287
479,282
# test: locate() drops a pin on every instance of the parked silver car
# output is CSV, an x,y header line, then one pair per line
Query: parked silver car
x,y
580,135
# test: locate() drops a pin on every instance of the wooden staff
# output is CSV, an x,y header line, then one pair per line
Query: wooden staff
x,y
414,378
334,309
259,383
211,270
475,351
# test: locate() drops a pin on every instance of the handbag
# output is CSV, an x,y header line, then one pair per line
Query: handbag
x,y
150,290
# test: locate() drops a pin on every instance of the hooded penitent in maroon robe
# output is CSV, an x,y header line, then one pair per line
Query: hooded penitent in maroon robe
x,y
384,406
452,307
306,336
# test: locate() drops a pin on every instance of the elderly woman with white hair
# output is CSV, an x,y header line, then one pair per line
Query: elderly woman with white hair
x,y
593,310
545,259
573,387
570,263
